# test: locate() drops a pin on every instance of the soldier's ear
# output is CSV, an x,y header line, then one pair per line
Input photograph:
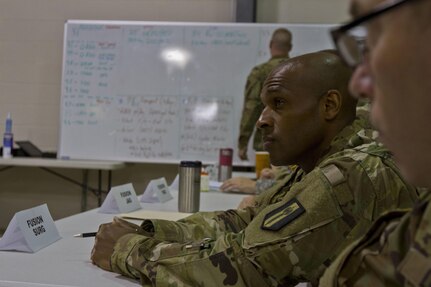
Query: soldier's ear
x,y
331,104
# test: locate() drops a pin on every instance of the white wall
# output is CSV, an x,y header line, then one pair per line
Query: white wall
x,y
31,39
302,11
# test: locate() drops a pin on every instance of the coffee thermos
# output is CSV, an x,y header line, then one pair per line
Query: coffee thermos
x,y
189,186
225,164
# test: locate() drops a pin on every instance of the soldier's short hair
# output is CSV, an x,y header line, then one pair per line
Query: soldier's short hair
x,y
282,39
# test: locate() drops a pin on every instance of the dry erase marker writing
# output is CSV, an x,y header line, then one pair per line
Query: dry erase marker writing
x,y
87,234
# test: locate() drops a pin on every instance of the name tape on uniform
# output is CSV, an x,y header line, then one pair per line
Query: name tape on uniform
x,y
120,199
30,230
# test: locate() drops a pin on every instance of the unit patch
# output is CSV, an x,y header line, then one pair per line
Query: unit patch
x,y
283,215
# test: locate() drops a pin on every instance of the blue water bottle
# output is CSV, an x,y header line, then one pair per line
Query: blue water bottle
x,y
8,138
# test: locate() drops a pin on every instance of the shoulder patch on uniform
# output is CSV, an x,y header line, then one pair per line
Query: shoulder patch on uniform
x,y
415,267
283,215
333,174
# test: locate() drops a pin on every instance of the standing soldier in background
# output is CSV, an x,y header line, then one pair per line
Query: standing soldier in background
x,y
280,46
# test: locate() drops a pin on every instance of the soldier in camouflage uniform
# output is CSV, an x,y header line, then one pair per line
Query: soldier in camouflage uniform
x,y
280,46
268,177
396,251
344,181
247,185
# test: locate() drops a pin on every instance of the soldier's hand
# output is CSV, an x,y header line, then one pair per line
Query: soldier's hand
x,y
267,173
239,184
246,202
106,238
242,153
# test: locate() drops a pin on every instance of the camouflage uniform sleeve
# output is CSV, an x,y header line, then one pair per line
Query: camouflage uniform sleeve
x,y
340,200
289,241
267,252
394,252
369,243
252,107
197,226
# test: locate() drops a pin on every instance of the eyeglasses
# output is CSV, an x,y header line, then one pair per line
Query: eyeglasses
x,y
350,38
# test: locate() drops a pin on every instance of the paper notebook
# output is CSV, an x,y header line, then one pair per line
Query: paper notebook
x,y
150,214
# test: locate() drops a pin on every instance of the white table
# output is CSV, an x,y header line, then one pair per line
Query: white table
x,y
48,164
67,261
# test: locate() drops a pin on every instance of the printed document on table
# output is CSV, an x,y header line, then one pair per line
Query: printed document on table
x,y
150,214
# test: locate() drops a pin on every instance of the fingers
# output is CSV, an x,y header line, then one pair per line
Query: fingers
x,y
106,238
235,183
103,248
239,184
225,184
228,186
267,173
124,223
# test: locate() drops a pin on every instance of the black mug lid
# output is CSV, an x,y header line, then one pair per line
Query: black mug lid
x,y
189,163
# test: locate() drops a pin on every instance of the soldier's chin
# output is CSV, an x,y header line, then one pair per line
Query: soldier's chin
x,y
276,160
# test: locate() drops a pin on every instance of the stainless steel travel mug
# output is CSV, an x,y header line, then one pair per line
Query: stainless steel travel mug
x,y
189,186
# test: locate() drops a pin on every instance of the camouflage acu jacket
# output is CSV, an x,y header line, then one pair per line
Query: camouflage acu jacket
x,y
252,105
396,251
292,234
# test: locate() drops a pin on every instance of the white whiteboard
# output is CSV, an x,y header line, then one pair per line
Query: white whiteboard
x,y
161,91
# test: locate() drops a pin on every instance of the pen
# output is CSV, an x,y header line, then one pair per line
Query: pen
x,y
87,234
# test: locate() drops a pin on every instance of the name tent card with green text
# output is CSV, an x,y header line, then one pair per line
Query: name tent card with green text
x,y
30,230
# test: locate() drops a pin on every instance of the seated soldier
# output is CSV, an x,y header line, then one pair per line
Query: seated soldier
x,y
344,180
267,178
392,68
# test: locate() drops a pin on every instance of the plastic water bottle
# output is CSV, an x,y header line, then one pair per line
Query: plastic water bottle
x,y
8,138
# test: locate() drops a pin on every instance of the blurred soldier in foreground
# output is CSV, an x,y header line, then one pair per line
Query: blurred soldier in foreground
x,y
389,45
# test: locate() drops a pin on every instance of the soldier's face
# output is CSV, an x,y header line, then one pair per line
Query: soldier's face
x,y
396,76
290,122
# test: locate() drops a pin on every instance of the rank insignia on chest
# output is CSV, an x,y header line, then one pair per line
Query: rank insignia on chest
x,y
283,215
